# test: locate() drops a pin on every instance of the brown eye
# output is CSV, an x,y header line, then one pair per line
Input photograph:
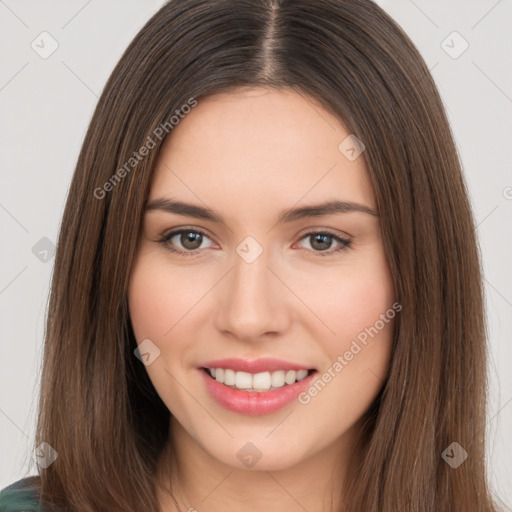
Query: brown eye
x,y
184,242
321,242
191,240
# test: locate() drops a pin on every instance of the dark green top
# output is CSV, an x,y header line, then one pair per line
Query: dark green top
x,y
21,496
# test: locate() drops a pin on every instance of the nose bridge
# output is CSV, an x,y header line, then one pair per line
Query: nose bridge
x,y
250,277
252,300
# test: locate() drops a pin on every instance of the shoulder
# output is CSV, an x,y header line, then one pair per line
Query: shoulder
x,y
21,496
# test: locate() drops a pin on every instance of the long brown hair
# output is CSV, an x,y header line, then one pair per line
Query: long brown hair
x,y
98,408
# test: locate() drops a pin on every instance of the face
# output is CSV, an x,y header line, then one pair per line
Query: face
x,y
253,280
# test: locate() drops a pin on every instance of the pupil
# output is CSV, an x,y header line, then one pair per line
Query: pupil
x,y
189,240
322,239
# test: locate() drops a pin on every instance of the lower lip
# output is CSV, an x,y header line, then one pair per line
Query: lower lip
x,y
253,402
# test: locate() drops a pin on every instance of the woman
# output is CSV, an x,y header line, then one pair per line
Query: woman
x,y
267,289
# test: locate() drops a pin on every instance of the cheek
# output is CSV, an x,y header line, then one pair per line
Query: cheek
x,y
161,309
160,299
364,311
149,300
350,300
357,307
361,350
361,314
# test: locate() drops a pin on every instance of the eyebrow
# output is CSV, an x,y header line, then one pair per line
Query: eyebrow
x,y
286,216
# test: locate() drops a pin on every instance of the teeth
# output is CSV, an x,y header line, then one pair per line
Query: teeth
x,y
219,375
290,377
302,374
263,381
229,377
243,380
277,379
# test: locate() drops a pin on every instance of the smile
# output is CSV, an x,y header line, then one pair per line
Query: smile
x,y
259,382
255,387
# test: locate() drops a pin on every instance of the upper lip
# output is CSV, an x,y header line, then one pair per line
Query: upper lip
x,y
254,366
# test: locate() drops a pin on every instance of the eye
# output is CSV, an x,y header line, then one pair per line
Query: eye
x,y
189,239
322,241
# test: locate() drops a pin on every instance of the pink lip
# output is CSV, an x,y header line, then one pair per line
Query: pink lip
x,y
253,402
256,366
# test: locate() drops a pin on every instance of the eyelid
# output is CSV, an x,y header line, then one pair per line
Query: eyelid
x,y
343,242
164,239
328,231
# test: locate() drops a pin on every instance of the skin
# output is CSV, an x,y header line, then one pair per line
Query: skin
x,y
248,155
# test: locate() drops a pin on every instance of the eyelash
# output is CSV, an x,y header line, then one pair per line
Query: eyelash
x,y
344,243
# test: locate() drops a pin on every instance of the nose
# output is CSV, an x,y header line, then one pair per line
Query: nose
x,y
253,302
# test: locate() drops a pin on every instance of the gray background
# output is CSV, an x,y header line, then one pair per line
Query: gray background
x,y
46,105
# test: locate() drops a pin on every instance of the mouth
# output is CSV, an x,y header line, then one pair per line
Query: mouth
x,y
255,387
257,382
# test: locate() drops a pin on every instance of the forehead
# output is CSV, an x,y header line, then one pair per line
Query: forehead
x,y
254,148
